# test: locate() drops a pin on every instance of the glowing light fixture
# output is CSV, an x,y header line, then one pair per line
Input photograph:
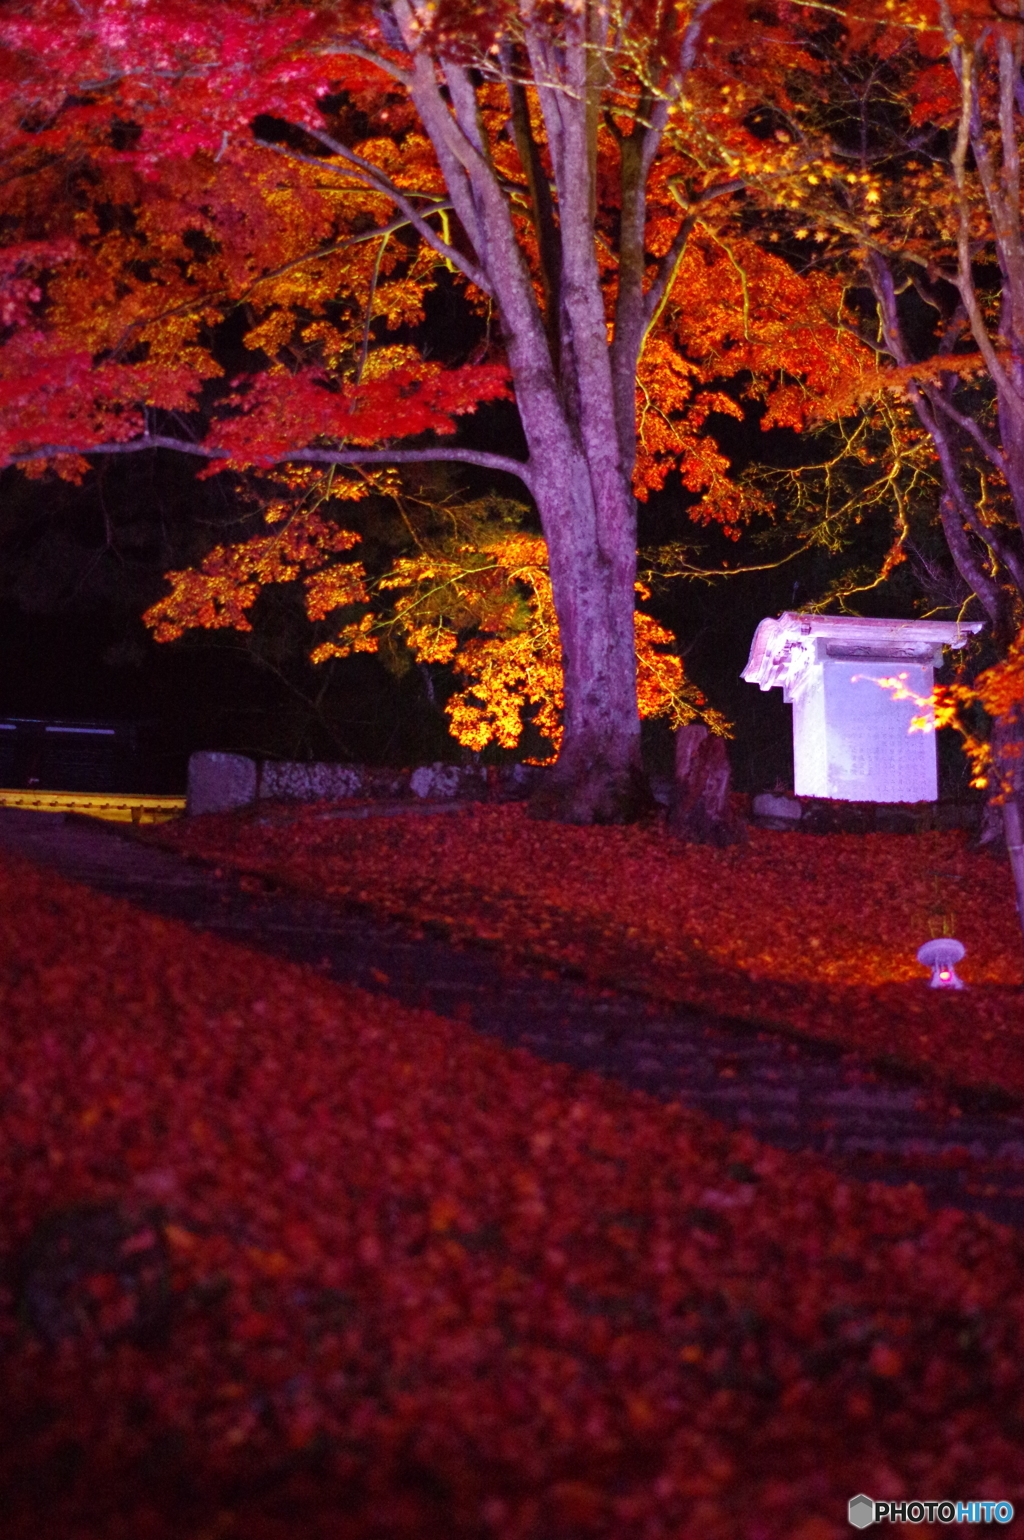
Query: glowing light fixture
x,y
942,956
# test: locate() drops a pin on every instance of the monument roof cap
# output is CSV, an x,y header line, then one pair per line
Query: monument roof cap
x,y
783,646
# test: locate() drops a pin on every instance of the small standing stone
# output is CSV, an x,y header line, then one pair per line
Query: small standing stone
x,y
700,810
219,782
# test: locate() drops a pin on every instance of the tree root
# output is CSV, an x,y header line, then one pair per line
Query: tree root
x,y
596,793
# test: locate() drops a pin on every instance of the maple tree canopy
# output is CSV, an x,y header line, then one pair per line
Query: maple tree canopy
x,y
306,174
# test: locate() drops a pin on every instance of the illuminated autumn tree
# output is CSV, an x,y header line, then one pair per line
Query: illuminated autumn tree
x,y
912,125
313,168
476,595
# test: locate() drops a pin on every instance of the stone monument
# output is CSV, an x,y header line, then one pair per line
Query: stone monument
x,y
852,738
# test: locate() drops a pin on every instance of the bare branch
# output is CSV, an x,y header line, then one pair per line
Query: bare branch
x,y
939,399
966,141
368,317
491,462
357,51
520,468
957,510
712,574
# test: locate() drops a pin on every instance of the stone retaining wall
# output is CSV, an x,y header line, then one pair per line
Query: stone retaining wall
x,y
219,782
819,815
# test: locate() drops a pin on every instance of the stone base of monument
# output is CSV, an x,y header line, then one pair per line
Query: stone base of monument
x,y
219,783
822,815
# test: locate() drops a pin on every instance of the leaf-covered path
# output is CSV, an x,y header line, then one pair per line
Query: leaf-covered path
x,y
964,1149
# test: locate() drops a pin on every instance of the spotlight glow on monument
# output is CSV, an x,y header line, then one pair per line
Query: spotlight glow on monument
x,y
852,737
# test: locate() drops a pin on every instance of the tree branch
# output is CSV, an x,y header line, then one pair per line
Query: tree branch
x,y
505,463
956,509
956,504
967,140
374,179
658,293
549,240
658,102
567,92
357,51
453,131
938,399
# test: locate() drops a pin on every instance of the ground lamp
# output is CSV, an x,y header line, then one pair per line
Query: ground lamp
x,y
942,956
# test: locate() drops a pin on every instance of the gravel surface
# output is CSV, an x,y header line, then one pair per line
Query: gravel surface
x,y
965,1149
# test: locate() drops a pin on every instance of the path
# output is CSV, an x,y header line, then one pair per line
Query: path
x,y
791,1093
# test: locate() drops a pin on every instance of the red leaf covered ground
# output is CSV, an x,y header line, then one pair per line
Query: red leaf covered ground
x,y
422,1286
814,932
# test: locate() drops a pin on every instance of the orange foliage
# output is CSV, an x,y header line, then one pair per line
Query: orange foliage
x,y
222,590
999,690
736,309
500,594
480,602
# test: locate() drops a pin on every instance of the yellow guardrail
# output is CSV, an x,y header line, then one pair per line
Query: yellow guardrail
x,y
116,808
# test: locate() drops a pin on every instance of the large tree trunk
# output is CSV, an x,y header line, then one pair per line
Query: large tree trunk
x,y
598,777
572,363
581,478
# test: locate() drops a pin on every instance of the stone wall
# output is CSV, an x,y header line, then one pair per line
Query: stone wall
x,y
821,815
219,782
